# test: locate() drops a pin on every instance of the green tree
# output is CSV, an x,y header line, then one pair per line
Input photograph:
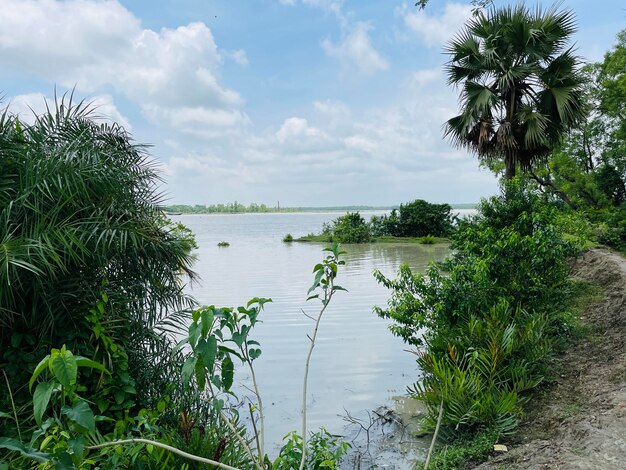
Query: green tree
x,y
521,88
80,214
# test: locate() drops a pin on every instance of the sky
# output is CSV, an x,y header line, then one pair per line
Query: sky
x,y
306,102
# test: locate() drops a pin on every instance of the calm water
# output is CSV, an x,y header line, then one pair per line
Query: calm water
x,y
357,365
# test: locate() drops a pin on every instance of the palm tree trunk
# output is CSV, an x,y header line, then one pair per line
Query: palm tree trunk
x,y
509,166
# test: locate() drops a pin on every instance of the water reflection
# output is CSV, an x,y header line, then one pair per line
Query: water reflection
x,y
357,364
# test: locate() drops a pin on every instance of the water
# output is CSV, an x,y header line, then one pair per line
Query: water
x,y
357,365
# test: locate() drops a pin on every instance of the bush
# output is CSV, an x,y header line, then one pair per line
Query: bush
x,y
427,240
415,219
484,318
349,228
79,216
288,238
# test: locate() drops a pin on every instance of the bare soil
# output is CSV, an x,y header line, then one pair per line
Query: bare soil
x,y
580,422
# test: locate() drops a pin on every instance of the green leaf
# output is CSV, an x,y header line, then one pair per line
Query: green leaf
x,y
316,282
77,444
187,370
194,334
84,362
38,370
200,373
207,322
41,398
254,354
81,414
228,372
64,368
207,350
5,415
16,446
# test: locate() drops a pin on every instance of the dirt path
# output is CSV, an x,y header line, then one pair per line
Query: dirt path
x,y
581,421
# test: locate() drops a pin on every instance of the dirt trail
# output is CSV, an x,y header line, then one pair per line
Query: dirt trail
x,y
581,422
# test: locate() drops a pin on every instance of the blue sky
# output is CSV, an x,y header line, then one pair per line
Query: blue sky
x,y
307,102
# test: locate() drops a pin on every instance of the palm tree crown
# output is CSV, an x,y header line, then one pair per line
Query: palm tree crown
x,y
521,86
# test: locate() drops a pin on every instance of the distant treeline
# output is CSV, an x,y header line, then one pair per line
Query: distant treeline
x,y
238,208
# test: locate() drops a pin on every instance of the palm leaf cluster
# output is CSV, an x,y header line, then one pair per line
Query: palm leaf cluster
x,y
80,214
521,87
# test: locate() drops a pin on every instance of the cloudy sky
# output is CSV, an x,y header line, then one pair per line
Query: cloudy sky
x,y
306,102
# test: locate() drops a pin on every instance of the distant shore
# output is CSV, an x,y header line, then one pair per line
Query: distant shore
x,y
262,209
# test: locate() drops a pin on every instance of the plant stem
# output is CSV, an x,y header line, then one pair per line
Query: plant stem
x,y
241,440
327,296
174,450
261,444
432,444
17,423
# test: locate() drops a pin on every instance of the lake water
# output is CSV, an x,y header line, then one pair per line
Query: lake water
x,y
357,365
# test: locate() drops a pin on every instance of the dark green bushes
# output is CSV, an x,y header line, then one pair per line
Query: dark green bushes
x,y
415,219
349,228
485,319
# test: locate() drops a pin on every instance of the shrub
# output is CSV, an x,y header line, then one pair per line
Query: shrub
x,y
427,240
223,244
349,228
415,219
483,318
79,209
288,238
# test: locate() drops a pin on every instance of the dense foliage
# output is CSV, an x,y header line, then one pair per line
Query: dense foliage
x,y
486,318
588,169
91,288
415,219
80,215
349,228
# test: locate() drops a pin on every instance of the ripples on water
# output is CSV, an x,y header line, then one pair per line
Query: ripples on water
x,y
357,364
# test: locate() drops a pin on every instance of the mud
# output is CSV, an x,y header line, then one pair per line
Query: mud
x,y
580,422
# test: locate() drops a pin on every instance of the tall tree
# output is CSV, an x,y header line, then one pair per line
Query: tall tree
x,y
521,86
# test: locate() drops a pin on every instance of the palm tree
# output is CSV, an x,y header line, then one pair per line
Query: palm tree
x,y
521,86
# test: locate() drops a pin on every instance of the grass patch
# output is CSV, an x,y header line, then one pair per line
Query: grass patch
x,y
223,244
463,451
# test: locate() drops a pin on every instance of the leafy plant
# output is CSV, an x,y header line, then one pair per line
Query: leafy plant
x,y
288,238
324,451
483,320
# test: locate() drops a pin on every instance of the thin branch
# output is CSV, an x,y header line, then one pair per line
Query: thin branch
x,y
432,444
174,450
328,294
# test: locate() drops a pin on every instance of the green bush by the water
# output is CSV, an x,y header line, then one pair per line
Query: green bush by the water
x,y
486,317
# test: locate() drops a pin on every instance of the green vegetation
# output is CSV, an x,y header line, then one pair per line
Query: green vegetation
x,y
485,311
587,172
92,281
415,219
418,221
223,244
288,238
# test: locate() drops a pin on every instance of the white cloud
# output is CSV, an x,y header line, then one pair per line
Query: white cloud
x,y
424,77
239,56
436,30
101,45
355,50
296,127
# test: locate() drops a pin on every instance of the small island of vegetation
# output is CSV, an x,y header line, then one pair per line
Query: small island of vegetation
x,y
415,222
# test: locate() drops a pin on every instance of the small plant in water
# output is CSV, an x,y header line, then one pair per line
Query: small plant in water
x,y
427,240
223,244
288,238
